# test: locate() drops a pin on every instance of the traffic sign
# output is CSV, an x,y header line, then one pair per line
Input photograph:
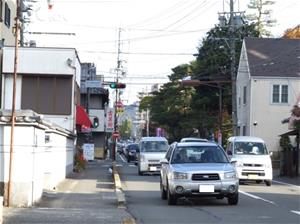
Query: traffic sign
x,y
93,83
119,104
116,134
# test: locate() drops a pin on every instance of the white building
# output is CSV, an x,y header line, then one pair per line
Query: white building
x,y
268,83
47,92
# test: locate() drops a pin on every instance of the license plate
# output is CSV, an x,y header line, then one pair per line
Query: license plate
x,y
252,176
153,168
206,188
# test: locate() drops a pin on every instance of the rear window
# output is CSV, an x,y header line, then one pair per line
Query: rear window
x,y
199,154
154,146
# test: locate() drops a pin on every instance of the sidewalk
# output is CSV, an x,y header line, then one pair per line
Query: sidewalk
x,y
85,197
285,179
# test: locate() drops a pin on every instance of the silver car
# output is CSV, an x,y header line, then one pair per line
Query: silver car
x,y
195,169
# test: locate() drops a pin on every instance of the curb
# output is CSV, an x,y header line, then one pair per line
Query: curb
x,y
120,194
118,187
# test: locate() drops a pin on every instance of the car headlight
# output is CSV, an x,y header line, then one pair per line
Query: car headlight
x,y
230,175
142,158
268,165
238,163
179,176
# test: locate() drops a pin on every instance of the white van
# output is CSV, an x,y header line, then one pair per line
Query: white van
x,y
151,151
251,158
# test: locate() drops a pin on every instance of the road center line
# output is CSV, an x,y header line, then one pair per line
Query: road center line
x,y
296,212
256,197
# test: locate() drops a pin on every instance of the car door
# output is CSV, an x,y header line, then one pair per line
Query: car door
x,y
165,167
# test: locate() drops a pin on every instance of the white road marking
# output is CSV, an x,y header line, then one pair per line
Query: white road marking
x,y
296,212
256,197
123,159
132,165
291,185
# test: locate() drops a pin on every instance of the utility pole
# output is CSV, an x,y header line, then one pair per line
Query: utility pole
x,y
233,20
13,109
116,97
232,67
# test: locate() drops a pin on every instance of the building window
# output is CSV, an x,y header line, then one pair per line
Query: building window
x,y
7,15
47,94
245,95
280,94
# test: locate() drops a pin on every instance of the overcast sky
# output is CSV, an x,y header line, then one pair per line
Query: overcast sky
x,y
156,35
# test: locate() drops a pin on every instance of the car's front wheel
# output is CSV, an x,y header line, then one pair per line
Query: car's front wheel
x,y
172,199
139,171
268,183
163,192
233,199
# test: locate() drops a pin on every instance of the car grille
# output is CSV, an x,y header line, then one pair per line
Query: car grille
x,y
205,176
251,172
153,161
253,165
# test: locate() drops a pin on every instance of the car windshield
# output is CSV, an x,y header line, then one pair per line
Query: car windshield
x,y
199,154
250,148
154,146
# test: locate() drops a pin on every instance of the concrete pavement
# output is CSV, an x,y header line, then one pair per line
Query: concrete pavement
x,y
85,197
94,195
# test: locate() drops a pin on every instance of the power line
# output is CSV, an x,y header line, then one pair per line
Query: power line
x,y
139,53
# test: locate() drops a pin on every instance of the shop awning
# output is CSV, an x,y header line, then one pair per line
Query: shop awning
x,y
82,118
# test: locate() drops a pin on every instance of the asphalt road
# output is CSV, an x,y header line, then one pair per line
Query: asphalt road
x,y
258,203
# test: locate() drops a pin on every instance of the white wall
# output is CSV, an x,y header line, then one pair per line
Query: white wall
x,y
36,165
243,79
267,115
41,61
59,152
259,107
27,167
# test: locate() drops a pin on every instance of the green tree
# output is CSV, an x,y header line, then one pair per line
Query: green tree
x,y
170,109
125,129
213,64
261,16
180,110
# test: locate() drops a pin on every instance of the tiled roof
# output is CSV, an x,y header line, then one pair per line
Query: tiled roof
x,y
270,57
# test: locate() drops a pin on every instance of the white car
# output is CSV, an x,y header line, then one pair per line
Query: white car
x,y
251,157
151,151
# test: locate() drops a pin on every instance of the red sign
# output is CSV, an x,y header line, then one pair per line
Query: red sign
x,y
116,135
119,104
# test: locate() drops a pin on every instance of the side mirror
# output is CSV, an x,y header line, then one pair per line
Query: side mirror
x,y
233,162
164,161
229,153
271,153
